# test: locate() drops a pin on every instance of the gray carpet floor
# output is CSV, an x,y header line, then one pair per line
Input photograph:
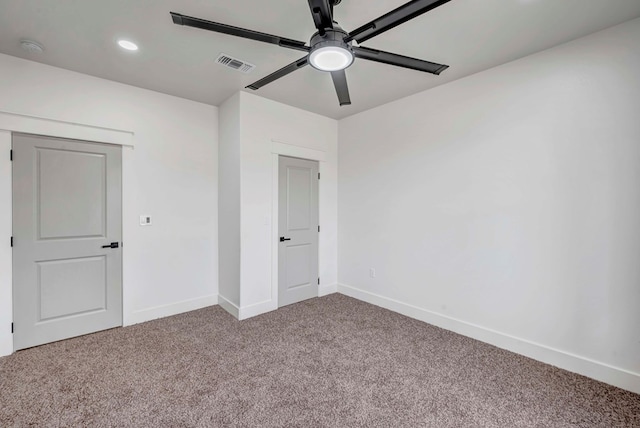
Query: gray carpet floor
x,y
331,361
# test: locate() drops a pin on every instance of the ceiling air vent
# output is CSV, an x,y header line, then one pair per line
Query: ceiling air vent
x,y
235,63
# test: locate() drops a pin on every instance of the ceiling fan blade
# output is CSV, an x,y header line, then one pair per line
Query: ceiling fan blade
x,y
237,31
398,60
394,18
280,73
322,13
342,89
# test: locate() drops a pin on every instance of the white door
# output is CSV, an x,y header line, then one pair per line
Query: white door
x,y
298,227
67,228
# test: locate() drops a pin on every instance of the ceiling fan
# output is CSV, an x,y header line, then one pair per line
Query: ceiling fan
x,y
331,49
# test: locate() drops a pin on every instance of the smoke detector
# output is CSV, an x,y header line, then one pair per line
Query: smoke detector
x,y
31,46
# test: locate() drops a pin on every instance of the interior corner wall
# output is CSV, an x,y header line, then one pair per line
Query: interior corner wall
x,y
229,203
171,266
506,205
263,123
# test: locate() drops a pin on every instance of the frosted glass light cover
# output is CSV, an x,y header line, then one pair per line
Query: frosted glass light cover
x,y
331,58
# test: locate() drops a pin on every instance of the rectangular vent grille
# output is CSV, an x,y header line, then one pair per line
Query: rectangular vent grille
x,y
235,63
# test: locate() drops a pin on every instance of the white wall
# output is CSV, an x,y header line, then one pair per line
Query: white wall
x,y
506,205
229,202
171,175
263,123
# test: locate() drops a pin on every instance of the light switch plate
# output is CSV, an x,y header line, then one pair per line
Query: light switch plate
x,y
145,220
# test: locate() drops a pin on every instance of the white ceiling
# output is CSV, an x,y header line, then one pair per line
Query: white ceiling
x,y
468,35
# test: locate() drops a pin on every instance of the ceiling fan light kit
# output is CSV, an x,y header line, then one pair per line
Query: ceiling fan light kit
x,y
329,52
331,48
330,58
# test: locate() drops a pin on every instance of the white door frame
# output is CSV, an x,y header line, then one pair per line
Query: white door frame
x,y
11,122
281,149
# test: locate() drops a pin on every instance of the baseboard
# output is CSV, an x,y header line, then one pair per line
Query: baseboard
x,y
325,290
257,309
270,305
574,363
149,314
229,306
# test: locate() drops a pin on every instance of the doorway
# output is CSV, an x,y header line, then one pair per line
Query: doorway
x,y
298,230
67,230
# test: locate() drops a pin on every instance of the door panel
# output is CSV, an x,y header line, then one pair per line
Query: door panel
x,y
299,267
299,198
59,188
82,278
298,224
66,206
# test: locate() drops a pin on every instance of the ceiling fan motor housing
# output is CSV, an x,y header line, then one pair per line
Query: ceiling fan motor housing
x,y
331,38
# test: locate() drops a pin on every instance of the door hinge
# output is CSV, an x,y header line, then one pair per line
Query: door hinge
x,y
318,228
12,241
318,176
11,328
318,281
11,154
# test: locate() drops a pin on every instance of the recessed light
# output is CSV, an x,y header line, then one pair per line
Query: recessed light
x,y
128,45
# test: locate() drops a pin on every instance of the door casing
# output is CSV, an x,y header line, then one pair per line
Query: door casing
x,y
26,123
281,149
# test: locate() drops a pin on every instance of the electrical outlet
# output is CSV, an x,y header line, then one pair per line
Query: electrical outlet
x,y
372,273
